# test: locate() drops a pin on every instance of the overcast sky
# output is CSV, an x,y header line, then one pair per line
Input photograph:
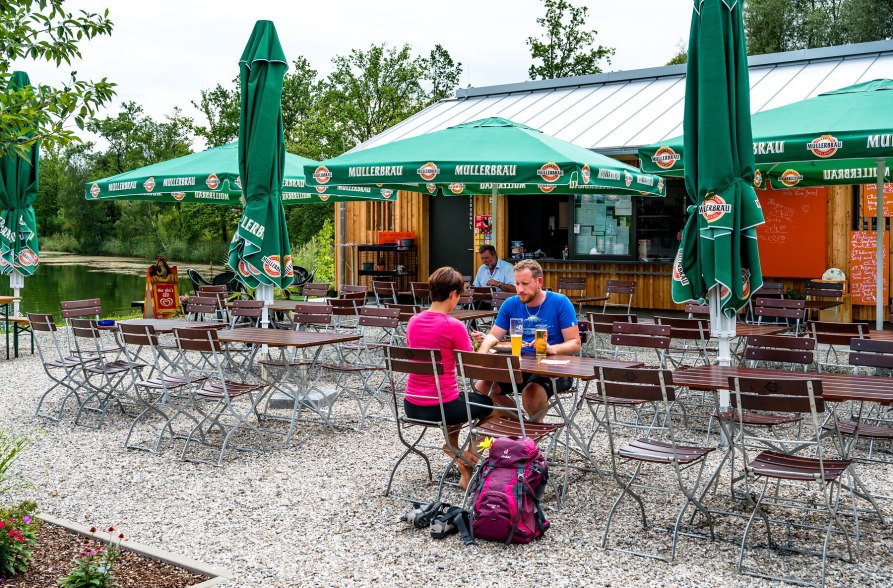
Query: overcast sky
x,y
162,53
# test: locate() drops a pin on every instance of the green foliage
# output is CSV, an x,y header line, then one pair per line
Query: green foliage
x,y
95,566
787,25
305,220
442,72
318,253
566,48
18,535
44,30
221,107
11,447
681,55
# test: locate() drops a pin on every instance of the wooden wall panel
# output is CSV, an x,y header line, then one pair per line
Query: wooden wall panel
x,y
653,280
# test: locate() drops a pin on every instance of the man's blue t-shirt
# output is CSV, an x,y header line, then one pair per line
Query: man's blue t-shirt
x,y
555,313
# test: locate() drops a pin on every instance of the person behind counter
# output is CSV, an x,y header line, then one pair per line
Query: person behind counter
x,y
494,271
538,309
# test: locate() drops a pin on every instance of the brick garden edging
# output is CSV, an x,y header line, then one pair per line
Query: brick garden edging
x,y
216,576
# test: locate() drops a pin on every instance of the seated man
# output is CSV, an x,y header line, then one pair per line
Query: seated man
x,y
494,272
538,309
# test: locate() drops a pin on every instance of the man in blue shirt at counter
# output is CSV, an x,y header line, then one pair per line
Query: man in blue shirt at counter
x,y
494,272
538,309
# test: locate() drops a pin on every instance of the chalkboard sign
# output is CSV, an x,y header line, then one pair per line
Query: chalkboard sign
x,y
863,252
869,201
792,242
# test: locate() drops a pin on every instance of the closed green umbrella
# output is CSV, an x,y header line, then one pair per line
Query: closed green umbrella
x,y
718,260
212,177
260,252
19,252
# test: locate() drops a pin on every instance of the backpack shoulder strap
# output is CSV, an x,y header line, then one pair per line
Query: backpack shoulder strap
x,y
518,491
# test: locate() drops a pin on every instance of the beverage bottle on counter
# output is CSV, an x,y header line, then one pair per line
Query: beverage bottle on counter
x,y
564,253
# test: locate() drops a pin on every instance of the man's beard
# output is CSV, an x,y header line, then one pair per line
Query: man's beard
x,y
527,298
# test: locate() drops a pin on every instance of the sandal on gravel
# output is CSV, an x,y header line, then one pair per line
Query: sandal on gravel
x,y
453,519
422,513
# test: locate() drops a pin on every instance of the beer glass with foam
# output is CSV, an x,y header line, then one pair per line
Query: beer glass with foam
x,y
516,332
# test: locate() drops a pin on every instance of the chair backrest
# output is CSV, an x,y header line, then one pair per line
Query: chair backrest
x,y
84,329
694,309
199,305
871,353
313,314
219,293
648,385
640,335
384,289
406,360
483,292
197,279
201,340
603,322
407,311
348,305
780,308
80,308
420,291
777,394
828,333
817,289
213,288
248,308
500,368
498,298
138,335
41,322
574,286
466,300
780,349
353,289
770,290
693,329
315,290
620,287
379,317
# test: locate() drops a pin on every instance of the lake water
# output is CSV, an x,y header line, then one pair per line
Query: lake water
x,y
115,286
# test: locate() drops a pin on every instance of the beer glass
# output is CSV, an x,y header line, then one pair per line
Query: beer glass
x,y
540,341
516,332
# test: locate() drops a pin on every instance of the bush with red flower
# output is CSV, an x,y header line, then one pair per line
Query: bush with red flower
x,y
18,534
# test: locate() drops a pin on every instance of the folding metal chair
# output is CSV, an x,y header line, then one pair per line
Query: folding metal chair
x,y
824,291
837,337
163,394
352,289
574,289
346,311
201,308
246,313
315,290
601,326
220,293
421,293
423,362
654,387
779,468
64,369
774,290
108,380
384,292
629,338
220,405
779,351
620,287
780,311
688,340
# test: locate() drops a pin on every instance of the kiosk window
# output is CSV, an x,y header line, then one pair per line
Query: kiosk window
x,y
602,225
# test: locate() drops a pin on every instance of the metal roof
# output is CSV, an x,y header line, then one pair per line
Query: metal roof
x,y
618,112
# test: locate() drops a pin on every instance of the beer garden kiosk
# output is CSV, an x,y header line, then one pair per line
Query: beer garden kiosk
x,y
623,237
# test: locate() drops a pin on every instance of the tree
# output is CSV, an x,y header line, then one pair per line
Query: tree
x,y
681,54
221,107
566,49
786,25
442,72
43,29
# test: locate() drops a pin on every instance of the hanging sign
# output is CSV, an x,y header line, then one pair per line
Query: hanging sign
x,y
863,265
162,298
869,200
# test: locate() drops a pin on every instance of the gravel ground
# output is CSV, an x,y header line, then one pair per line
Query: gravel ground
x,y
314,514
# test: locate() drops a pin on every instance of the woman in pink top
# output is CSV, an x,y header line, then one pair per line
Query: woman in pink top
x,y
436,329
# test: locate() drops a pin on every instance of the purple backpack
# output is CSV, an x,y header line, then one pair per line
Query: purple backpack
x,y
507,497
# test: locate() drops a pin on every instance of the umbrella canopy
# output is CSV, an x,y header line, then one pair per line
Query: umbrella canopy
x,y
212,176
484,156
834,138
260,252
18,191
718,257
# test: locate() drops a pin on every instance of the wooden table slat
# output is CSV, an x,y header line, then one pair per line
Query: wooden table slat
x,y
284,337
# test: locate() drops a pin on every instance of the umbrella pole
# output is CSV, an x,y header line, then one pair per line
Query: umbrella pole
x,y
879,277
723,328
494,218
16,282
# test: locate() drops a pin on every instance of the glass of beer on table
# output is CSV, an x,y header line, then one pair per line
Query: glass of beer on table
x,y
540,342
516,332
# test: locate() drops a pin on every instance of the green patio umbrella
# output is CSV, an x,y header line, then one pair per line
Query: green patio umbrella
x,y
718,260
839,137
19,252
492,155
212,177
260,252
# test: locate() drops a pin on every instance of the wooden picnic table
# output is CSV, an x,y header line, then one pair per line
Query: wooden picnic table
x,y
822,304
284,337
473,314
880,335
582,368
741,329
835,387
168,325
